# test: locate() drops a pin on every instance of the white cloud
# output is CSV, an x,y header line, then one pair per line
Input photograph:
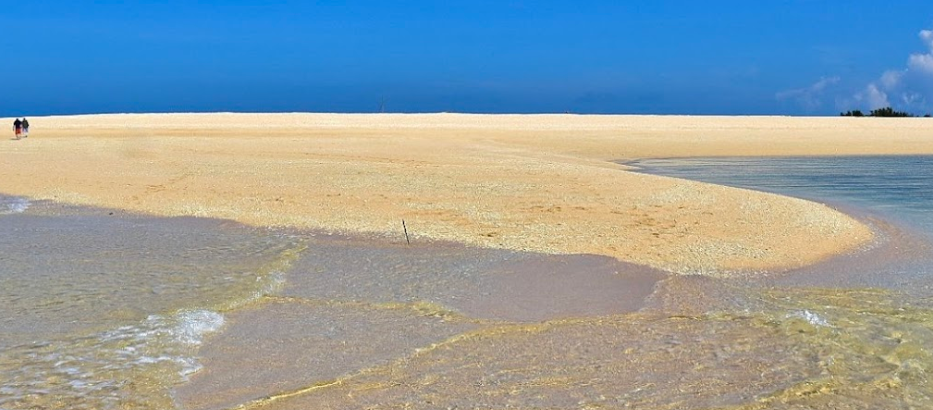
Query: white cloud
x,y
891,79
823,83
810,98
870,97
921,62
927,36
909,87
875,97
911,98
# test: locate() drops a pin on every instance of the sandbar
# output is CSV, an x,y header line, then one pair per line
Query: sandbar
x,y
542,183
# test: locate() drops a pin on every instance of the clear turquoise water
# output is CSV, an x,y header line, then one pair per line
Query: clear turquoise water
x,y
895,189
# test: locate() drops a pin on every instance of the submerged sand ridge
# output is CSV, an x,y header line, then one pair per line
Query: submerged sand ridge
x,y
541,182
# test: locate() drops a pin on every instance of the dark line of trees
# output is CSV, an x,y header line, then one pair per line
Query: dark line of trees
x,y
880,112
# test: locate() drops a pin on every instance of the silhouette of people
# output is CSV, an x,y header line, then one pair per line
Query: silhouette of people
x,y
25,127
18,128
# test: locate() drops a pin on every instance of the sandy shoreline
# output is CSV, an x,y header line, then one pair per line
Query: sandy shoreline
x,y
541,183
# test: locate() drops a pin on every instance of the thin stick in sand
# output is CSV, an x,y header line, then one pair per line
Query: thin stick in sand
x,y
406,232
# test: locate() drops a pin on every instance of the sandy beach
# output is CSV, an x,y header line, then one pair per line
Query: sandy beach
x,y
542,272
544,183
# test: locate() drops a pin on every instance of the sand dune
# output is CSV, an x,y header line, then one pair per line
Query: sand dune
x,y
530,182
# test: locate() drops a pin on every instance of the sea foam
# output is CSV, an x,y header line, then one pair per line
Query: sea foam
x,y
13,205
192,325
811,318
166,340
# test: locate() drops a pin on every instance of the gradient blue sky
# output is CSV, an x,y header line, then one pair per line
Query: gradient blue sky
x,y
804,57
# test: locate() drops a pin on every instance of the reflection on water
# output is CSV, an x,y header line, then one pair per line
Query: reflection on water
x,y
358,323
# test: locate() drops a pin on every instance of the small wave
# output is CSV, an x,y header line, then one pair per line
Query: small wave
x,y
100,371
193,325
172,340
165,340
13,205
810,317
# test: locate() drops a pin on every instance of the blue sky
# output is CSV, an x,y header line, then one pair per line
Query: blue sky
x,y
804,57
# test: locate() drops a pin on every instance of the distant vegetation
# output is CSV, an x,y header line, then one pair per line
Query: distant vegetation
x,y
880,112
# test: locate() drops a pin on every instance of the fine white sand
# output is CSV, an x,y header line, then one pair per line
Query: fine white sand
x,y
530,182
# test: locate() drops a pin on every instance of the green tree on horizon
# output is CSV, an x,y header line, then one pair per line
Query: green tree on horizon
x,y
852,113
886,112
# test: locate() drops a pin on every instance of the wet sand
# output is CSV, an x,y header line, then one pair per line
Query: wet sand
x,y
540,183
326,307
683,342
712,343
694,342
552,366
349,306
364,321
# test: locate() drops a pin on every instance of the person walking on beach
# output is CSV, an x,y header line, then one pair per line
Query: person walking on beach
x,y
17,128
25,127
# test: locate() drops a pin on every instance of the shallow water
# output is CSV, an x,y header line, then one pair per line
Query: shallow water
x,y
773,342
110,310
894,194
871,310
351,306
203,314
106,310
898,187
